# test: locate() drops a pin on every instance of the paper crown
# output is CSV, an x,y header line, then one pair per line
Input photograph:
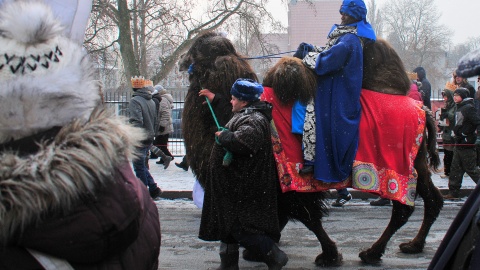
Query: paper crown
x,y
450,86
140,82
412,75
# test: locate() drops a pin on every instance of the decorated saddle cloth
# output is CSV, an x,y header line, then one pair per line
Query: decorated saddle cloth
x,y
391,130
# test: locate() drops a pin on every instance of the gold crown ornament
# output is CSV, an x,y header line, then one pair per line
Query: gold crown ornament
x,y
138,82
148,83
450,86
412,76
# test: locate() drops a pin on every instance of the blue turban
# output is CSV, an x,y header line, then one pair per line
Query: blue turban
x,y
247,90
355,9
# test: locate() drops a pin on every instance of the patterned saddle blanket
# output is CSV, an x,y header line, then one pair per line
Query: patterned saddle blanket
x,y
391,131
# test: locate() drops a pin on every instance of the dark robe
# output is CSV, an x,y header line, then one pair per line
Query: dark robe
x,y
245,192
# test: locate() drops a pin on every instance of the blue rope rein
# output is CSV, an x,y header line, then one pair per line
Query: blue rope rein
x,y
267,56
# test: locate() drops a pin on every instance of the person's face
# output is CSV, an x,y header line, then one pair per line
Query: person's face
x,y
458,79
237,104
347,19
445,98
457,98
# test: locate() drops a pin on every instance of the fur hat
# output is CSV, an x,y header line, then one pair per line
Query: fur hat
x,y
462,92
247,90
354,8
46,78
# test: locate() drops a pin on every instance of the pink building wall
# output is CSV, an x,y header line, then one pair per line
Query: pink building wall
x,y
311,23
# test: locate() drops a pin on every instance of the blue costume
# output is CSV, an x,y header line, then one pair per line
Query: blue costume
x,y
337,102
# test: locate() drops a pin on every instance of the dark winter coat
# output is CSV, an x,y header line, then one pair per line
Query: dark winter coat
x,y
467,123
74,197
425,89
448,113
245,192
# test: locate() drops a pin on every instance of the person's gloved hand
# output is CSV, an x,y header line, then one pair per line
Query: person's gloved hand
x,y
161,129
477,142
303,49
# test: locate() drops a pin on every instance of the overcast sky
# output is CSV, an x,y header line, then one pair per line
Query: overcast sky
x,y
460,16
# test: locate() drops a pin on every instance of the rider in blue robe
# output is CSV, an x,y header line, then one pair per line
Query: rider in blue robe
x,y
336,107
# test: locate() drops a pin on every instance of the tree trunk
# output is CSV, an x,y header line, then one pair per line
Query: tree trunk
x,y
125,40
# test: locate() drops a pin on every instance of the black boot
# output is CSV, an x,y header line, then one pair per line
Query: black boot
x,y
228,257
182,165
276,259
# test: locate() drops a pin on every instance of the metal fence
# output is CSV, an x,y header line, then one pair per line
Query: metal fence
x,y
118,101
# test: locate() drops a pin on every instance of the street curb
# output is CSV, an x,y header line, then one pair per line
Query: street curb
x,y
186,194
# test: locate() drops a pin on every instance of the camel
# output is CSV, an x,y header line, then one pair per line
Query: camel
x,y
214,64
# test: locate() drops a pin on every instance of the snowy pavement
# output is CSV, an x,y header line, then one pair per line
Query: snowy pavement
x,y
176,179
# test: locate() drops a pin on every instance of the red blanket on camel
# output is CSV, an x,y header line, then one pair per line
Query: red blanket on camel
x,y
391,130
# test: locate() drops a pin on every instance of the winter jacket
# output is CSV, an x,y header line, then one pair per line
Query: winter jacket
x,y
448,114
157,99
69,192
413,92
425,89
143,112
245,192
467,123
165,125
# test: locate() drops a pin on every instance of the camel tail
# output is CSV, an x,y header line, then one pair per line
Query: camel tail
x,y
433,157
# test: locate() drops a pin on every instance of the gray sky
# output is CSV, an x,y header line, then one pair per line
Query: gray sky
x,y
460,16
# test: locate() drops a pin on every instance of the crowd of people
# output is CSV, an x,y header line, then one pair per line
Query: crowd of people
x,y
240,203
460,127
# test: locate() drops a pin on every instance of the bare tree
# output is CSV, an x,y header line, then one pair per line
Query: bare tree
x,y
149,36
374,17
414,31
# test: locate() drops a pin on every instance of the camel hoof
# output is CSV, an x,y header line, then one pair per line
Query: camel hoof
x,y
370,258
411,248
326,261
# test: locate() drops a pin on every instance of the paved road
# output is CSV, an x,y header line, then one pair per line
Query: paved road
x,y
354,227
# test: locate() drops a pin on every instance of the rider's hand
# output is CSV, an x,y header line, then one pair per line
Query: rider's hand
x,y
302,50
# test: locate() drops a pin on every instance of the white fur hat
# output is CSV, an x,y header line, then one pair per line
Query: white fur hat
x,y
46,78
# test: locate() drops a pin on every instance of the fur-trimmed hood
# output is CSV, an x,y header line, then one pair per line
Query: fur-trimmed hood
x,y
76,163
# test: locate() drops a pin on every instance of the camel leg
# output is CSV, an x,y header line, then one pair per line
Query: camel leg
x,y
400,215
433,203
330,255
309,209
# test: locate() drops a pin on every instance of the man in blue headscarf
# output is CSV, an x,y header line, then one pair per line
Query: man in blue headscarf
x,y
332,118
